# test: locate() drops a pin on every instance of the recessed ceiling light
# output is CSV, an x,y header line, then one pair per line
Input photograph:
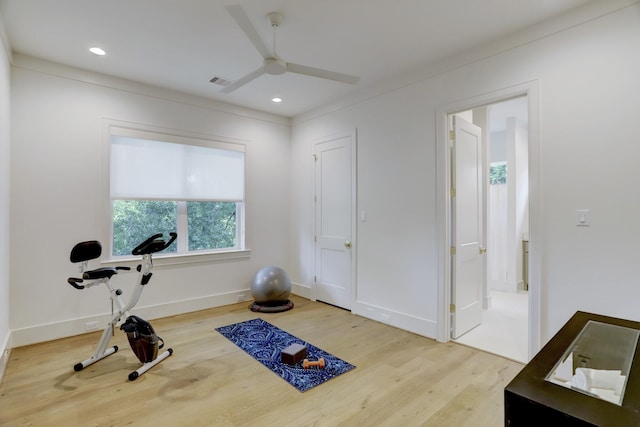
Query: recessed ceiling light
x,y
276,99
97,51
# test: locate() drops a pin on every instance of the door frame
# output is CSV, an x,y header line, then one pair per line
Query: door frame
x,y
443,179
353,135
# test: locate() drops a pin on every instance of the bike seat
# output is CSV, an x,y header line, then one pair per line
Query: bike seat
x,y
99,273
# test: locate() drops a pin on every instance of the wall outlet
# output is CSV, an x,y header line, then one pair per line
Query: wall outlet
x,y
384,317
91,326
240,297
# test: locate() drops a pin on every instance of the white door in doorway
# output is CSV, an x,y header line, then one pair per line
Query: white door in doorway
x,y
466,205
334,221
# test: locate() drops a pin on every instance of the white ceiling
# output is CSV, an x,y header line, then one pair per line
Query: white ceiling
x,y
182,44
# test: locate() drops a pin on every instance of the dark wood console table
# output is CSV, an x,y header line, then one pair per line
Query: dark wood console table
x,y
531,400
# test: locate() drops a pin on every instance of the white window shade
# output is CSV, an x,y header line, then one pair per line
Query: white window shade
x,y
155,170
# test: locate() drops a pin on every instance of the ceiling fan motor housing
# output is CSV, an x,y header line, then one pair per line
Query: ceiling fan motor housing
x,y
275,66
275,19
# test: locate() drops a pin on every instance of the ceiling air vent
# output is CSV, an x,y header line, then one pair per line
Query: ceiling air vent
x,y
220,81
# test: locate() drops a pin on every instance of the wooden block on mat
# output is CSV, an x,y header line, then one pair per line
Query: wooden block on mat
x,y
293,354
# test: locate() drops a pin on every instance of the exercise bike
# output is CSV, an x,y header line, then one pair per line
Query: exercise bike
x,y
142,338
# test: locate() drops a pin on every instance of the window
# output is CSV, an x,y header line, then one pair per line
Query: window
x,y
498,173
161,183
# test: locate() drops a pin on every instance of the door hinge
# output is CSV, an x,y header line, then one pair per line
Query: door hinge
x,y
452,134
453,250
452,308
314,279
315,239
453,192
315,158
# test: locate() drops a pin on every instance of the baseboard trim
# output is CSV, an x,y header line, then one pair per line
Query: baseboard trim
x,y
424,327
486,302
417,325
72,327
5,352
301,290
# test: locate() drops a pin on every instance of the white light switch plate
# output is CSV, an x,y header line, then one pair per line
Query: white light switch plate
x,y
583,217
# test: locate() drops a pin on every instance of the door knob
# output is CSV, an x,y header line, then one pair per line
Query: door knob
x,y
347,244
483,250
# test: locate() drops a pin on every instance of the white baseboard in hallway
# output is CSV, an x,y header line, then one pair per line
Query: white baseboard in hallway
x,y
504,329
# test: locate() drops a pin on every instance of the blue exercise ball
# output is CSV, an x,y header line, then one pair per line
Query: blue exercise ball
x,y
271,284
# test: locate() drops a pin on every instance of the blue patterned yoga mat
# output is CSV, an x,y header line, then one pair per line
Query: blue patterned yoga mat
x,y
264,342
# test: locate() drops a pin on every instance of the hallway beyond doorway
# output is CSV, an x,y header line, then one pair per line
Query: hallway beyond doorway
x,y
504,327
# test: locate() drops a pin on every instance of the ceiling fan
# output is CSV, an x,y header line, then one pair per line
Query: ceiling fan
x,y
272,63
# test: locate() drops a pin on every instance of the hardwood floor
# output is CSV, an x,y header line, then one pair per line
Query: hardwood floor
x,y
401,379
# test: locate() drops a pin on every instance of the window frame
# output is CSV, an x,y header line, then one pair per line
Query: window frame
x,y
135,130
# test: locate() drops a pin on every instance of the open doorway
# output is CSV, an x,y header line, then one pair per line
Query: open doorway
x,y
503,326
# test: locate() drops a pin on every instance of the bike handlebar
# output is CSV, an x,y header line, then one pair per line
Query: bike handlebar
x,y
73,281
154,244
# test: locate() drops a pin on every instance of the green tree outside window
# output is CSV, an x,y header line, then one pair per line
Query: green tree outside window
x,y
498,174
210,225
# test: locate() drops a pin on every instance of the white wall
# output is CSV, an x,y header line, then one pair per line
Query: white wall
x,y
521,190
515,203
588,82
397,258
509,207
57,196
5,78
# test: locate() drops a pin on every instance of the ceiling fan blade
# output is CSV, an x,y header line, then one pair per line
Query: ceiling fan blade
x,y
243,80
237,13
324,74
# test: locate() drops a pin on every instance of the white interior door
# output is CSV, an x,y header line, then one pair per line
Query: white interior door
x,y
334,207
467,250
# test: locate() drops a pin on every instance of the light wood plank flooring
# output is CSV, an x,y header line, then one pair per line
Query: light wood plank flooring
x,y
401,379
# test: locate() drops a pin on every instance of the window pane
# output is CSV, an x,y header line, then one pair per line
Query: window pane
x,y
498,173
136,220
211,225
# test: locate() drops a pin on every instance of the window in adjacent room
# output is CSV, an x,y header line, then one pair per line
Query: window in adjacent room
x,y
498,173
162,183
